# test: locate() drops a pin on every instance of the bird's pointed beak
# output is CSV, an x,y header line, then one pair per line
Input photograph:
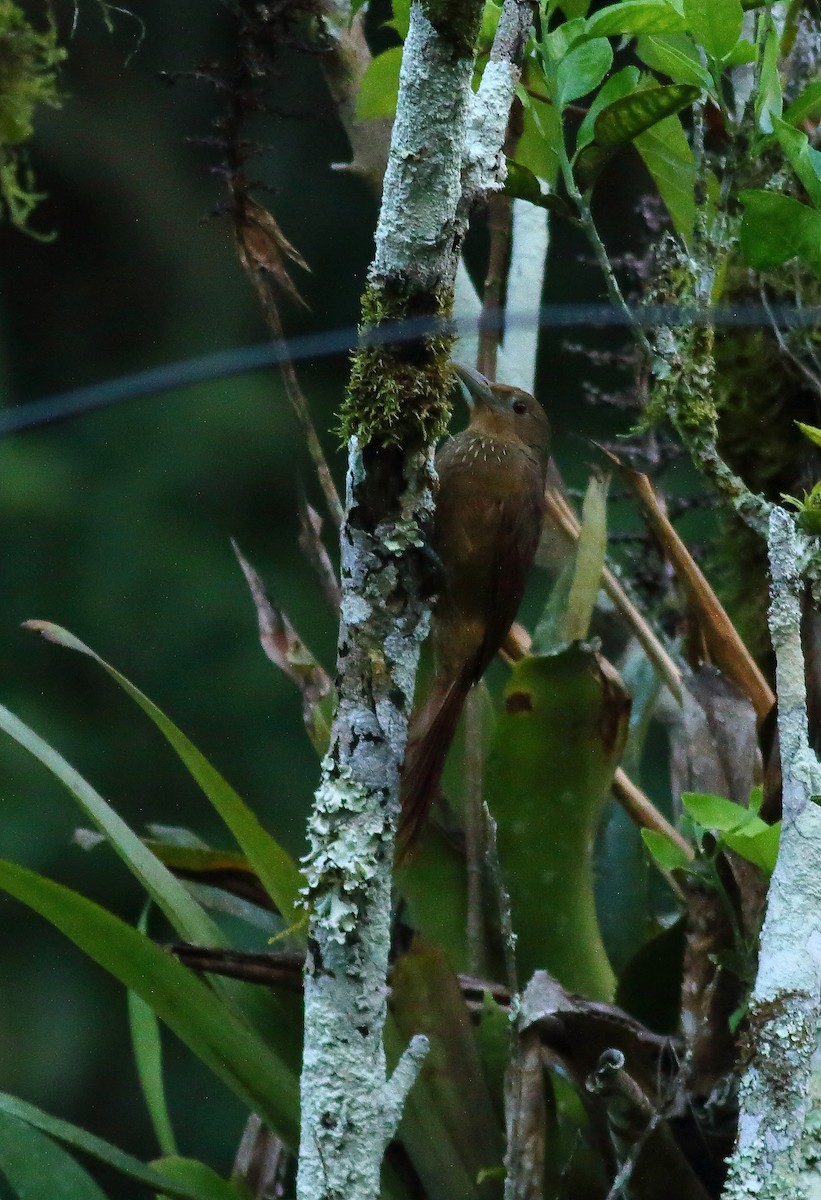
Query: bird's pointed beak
x,y
475,388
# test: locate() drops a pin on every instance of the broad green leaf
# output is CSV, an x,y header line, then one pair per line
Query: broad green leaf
x,y
574,8
769,100
582,70
521,183
379,89
665,854
490,20
625,119
776,228
743,53
275,869
619,85
804,160
537,149
426,998
224,1042
37,1169
184,913
557,43
758,845
189,1172
677,57
400,22
147,1048
668,157
557,744
715,24
807,106
635,17
89,1143
716,812
591,549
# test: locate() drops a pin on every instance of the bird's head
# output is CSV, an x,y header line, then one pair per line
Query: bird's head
x,y
500,411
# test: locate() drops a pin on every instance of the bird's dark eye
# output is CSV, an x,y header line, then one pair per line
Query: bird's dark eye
x,y
519,407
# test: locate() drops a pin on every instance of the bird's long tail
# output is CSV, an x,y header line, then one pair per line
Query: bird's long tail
x,y
431,732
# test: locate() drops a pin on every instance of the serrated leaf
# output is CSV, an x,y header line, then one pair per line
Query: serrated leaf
x,y
379,89
715,24
676,57
668,157
582,70
625,119
807,107
35,1167
804,160
89,1143
665,854
170,896
619,85
776,228
222,1040
634,17
275,869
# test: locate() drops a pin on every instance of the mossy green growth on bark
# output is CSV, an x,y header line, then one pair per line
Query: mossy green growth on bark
x,y
456,21
398,394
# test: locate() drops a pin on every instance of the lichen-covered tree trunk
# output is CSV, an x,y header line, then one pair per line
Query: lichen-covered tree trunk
x,y
446,150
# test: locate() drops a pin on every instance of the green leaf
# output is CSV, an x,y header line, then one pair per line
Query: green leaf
x,y
521,183
676,57
625,119
776,228
811,432
190,1173
665,854
35,1168
804,160
379,89
591,549
758,843
537,149
221,1039
807,106
547,804
715,24
635,17
668,157
715,812
275,869
558,43
147,1047
619,85
582,70
768,96
185,915
88,1143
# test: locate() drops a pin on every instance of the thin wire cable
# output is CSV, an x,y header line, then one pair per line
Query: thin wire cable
x,y
328,344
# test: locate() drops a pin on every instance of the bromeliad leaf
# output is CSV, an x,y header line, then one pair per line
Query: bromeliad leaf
x,y
184,913
71,1135
276,870
221,1039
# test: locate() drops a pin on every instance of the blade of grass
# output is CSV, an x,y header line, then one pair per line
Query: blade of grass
x,y
171,896
147,1047
220,1038
275,868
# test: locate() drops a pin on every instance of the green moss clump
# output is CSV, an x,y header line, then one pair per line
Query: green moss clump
x,y
29,60
398,395
457,21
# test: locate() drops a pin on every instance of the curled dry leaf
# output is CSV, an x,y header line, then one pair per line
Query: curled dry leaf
x,y
264,247
286,649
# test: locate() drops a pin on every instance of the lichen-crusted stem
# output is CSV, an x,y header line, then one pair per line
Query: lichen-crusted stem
x,y
774,1150
396,406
